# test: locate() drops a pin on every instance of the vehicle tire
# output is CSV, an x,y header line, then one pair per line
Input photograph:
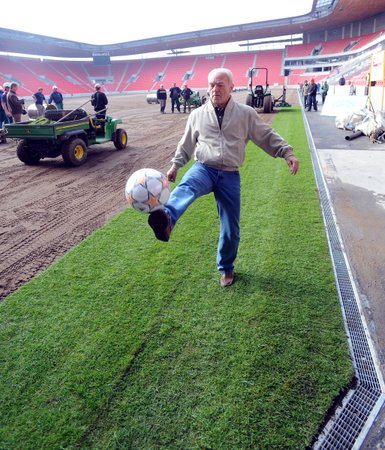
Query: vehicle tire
x,y
249,101
74,152
120,139
273,102
267,104
25,155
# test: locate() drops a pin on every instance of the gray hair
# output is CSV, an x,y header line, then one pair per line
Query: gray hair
x,y
221,70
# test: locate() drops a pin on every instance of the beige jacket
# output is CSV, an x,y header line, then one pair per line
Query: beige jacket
x,y
224,148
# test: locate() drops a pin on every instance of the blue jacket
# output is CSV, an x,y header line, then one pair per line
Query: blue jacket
x,y
55,97
39,98
175,92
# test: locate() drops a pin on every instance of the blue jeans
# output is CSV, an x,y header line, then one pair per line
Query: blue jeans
x,y
201,180
3,118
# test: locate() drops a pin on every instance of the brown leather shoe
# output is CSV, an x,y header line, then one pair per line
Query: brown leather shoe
x,y
160,222
227,279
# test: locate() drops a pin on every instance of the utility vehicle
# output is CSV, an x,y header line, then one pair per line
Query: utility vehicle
x,y
66,133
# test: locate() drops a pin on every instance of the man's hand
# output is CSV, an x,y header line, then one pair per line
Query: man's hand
x,y
172,173
293,164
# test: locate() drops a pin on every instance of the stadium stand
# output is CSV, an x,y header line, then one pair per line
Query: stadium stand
x,y
335,47
178,70
273,61
240,63
297,76
78,77
14,70
300,50
202,66
151,71
72,72
132,69
95,72
366,39
120,69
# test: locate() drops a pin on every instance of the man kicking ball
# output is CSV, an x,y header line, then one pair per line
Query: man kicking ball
x,y
216,135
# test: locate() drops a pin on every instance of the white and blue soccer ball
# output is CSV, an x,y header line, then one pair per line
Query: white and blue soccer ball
x,y
147,190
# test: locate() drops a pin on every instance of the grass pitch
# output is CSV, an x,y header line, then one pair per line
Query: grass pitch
x,y
127,342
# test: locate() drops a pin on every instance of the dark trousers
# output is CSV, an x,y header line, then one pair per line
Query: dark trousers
x,y
175,102
311,101
186,104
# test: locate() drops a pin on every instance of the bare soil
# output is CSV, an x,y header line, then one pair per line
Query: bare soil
x,y
49,208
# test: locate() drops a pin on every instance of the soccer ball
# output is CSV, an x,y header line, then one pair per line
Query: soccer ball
x,y
147,190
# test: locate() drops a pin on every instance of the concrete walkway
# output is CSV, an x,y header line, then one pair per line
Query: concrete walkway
x,y
354,172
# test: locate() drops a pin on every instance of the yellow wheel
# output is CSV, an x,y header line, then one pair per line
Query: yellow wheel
x,y
74,152
79,152
120,139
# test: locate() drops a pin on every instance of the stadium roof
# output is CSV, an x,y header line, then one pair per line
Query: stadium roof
x,y
324,14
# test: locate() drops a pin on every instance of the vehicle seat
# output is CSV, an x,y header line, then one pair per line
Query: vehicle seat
x,y
259,95
97,125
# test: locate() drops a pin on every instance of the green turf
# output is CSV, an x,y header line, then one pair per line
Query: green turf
x,y
127,342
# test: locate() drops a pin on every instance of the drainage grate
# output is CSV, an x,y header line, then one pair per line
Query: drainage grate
x,y
366,370
344,429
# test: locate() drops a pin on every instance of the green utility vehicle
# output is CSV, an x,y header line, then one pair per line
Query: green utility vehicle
x,y
68,133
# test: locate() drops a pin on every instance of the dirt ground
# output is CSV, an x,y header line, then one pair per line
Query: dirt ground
x,y
49,208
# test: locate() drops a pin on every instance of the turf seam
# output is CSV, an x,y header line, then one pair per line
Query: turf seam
x,y
118,388
121,383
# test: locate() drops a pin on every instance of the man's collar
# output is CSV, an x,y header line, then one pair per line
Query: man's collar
x,y
218,108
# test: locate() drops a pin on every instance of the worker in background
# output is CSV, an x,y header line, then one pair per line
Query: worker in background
x,y
40,102
56,97
161,95
99,101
